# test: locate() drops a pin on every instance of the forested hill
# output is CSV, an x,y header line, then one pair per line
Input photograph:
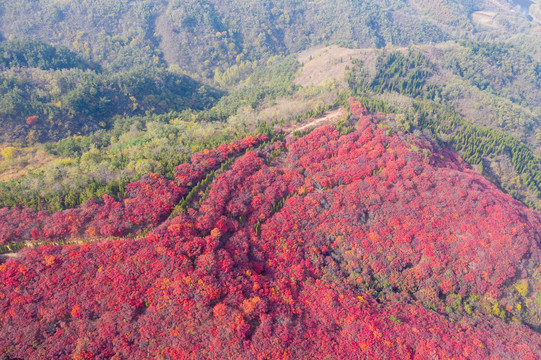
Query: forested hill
x,y
347,241
49,92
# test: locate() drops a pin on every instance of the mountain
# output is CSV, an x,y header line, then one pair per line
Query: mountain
x,y
270,179
351,240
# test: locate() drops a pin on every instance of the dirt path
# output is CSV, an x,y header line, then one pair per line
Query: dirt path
x,y
78,240
327,118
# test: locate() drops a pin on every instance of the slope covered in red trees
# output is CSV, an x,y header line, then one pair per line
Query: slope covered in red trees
x,y
147,202
366,245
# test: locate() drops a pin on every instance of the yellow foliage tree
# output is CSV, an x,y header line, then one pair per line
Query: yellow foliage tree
x,y
523,287
9,152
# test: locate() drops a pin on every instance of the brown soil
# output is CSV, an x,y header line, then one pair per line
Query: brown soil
x,y
327,118
486,18
322,65
24,162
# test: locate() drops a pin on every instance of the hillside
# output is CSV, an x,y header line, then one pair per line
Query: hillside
x,y
481,99
280,179
351,241
49,93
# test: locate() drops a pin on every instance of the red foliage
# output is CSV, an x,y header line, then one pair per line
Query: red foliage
x,y
329,250
31,120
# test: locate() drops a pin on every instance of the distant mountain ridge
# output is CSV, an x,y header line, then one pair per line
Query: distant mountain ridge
x,y
200,35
